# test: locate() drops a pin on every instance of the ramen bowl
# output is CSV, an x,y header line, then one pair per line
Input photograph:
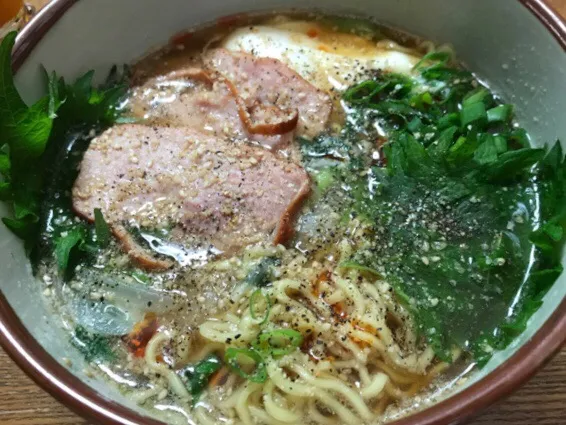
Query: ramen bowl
x,y
516,47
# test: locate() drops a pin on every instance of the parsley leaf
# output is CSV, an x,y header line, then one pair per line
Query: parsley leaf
x,y
102,229
93,346
262,274
25,130
31,141
66,242
198,375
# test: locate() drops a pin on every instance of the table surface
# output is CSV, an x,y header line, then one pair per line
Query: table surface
x,y
541,401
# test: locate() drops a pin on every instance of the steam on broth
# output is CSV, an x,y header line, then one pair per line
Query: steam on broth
x,y
293,220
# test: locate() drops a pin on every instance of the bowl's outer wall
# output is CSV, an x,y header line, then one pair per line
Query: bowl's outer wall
x,y
500,40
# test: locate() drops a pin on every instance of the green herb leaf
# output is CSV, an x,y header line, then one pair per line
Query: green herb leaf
x,y
25,130
262,273
199,374
435,60
501,113
5,165
24,228
487,151
473,113
93,346
511,163
480,95
102,229
32,138
66,242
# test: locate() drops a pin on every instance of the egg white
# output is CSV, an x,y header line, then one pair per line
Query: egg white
x,y
327,59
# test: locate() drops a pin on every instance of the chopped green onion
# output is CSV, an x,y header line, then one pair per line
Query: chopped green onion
x,y
253,300
426,98
486,153
443,143
235,357
395,85
520,138
460,150
501,113
363,91
439,59
102,229
480,95
473,113
324,179
449,120
414,125
500,144
355,266
141,277
421,100
278,342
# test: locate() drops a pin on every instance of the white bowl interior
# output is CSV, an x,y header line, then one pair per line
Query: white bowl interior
x,y
500,40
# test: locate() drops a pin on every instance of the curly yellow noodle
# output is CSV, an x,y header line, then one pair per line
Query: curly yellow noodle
x,y
242,406
315,415
337,386
362,347
375,387
276,411
202,415
151,353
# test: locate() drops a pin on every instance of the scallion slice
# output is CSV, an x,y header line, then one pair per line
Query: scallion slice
x,y
351,265
278,342
480,95
473,113
500,144
235,358
254,299
449,120
437,58
501,113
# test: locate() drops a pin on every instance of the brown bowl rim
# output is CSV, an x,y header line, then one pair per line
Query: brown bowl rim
x,y
34,360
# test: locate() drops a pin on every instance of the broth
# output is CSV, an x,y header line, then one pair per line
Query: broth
x,y
288,229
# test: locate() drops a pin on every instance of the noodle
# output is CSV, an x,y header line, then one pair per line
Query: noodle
x,y
366,342
151,353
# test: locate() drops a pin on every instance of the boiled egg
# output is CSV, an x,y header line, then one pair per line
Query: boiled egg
x,y
330,60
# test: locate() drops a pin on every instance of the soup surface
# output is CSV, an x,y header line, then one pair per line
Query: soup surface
x,y
291,220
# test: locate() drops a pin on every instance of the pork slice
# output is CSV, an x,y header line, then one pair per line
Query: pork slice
x,y
193,98
210,191
269,81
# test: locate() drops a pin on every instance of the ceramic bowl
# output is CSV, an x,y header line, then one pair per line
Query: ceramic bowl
x,y
517,47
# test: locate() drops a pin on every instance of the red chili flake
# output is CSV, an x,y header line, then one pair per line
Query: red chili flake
x,y
143,331
312,32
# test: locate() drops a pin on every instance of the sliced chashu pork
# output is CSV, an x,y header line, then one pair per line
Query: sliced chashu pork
x,y
209,190
223,101
194,98
269,81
